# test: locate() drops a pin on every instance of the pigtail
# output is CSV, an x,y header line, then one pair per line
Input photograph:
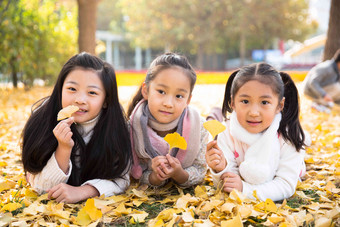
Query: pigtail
x,y
227,95
138,96
290,127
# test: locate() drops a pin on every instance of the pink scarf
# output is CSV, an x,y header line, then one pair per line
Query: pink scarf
x,y
190,132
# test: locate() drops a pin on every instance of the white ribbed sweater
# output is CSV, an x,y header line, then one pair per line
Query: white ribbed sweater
x,y
52,175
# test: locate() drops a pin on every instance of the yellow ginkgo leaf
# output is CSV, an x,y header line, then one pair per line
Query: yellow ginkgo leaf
x,y
234,222
201,192
175,140
214,127
67,112
140,217
330,186
270,205
83,218
11,207
6,185
92,210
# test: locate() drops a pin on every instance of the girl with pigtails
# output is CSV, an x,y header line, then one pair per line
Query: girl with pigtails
x,y
262,148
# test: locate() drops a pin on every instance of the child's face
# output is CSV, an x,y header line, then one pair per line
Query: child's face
x,y
83,88
168,94
256,105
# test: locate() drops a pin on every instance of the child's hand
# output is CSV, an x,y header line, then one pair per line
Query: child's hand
x,y
214,157
70,194
64,134
175,170
157,169
231,181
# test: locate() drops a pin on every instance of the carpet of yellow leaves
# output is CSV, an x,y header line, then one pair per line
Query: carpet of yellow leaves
x,y
316,202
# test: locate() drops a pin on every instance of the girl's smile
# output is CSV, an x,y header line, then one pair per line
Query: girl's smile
x,y
254,123
165,112
83,88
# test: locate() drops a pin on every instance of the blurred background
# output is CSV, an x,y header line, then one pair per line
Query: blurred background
x,y
39,36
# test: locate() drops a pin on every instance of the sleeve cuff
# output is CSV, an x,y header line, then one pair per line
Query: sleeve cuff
x,y
108,187
247,190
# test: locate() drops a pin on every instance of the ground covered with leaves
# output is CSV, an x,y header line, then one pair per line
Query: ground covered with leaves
x,y
315,203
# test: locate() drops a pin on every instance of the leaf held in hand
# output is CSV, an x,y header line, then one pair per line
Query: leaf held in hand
x,y
67,112
175,140
214,127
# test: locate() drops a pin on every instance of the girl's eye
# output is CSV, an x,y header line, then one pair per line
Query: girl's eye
x,y
93,93
71,88
245,101
265,102
179,96
161,92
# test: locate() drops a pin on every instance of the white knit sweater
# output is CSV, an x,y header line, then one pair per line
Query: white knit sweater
x,y
290,166
52,175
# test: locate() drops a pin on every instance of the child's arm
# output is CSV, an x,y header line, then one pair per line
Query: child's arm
x,y
225,144
59,167
50,176
63,134
91,188
284,183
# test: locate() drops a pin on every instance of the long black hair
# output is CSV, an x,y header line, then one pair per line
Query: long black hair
x,y
281,84
108,153
162,62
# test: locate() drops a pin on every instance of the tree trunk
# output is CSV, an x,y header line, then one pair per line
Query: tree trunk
x,y
87,13
333,34
14,73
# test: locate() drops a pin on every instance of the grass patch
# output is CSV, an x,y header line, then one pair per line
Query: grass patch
x,y
153,209
253,221
296,202
312,194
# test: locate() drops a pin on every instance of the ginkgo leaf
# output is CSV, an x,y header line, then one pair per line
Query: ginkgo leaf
x,y
235,222
67,112
276,219
11,207
214,127
83,218
6,185
140,217
92,210
200,192
270,205
175,140
5,219
187,217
